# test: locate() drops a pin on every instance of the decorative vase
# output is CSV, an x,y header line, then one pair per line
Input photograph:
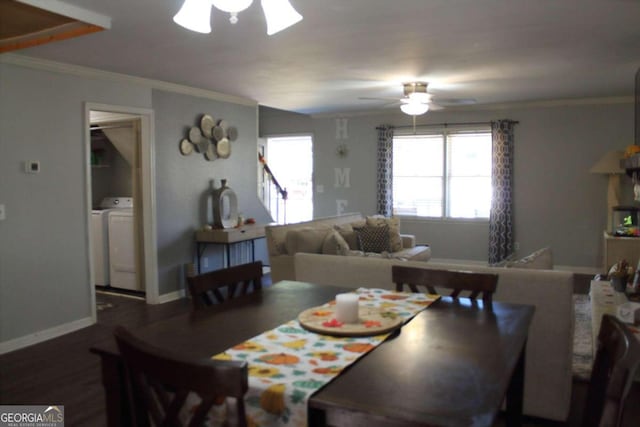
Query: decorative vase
x,y
619,283
225,207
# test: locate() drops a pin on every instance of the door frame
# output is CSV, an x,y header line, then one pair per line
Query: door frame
x,y
147,149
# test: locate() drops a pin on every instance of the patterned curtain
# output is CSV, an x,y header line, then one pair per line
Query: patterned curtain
x,y
501,215
385,171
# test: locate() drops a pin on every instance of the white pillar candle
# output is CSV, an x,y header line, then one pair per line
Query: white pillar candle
x,y
347,308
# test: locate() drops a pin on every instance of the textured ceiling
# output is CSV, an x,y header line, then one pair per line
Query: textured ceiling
x,y
494,51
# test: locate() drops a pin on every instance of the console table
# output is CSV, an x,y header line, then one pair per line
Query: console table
x,y
228,237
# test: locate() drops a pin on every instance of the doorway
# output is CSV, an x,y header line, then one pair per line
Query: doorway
x,y
291,161
128,134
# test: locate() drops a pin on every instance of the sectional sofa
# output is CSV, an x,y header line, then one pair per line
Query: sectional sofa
x,y
284,241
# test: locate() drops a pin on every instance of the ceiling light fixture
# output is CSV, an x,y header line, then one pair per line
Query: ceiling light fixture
x,y
416,99
195,15
414,108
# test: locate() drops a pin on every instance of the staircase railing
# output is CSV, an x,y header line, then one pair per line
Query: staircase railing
x,y
273,195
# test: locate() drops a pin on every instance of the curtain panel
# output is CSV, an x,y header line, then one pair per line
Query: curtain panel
x,y
501,215
385,171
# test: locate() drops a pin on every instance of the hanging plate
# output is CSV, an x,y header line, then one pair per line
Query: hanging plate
x,y
195,135
223,148
186,147
223,124
219,133
210,154
202,146
232,133
206,125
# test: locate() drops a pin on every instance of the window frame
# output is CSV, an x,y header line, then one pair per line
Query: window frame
x,y
444,132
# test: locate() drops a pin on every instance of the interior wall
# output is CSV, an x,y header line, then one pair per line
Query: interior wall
x,y
42,118
557,202
183,182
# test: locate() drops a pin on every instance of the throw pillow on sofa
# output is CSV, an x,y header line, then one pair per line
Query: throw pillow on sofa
x,y
348,234
542,259
307,240
373,239
334,244
395,241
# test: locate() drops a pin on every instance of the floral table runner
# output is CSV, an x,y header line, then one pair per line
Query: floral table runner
x,y
288,364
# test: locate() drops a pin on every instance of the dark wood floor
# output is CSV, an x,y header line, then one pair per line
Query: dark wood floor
x,y
62,371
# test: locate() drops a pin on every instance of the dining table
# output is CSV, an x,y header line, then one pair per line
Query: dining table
x,y
456,363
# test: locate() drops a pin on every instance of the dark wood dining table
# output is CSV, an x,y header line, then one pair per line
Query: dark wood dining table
x,y
453,364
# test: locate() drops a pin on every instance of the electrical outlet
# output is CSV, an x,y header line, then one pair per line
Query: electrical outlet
x,y
3,213
516,246
205,262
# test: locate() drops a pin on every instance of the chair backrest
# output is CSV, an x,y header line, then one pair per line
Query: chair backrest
x,y
164,388
477,284
209,288
616,361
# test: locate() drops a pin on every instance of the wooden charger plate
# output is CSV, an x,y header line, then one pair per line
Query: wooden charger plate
x,y
371,321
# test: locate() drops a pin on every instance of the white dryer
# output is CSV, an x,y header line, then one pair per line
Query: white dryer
x,y
100,236
122,253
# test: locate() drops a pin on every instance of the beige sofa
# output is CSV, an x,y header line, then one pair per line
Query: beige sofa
x,y
548,376
282,248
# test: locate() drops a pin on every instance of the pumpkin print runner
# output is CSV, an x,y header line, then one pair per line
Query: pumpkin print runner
x,y
288,364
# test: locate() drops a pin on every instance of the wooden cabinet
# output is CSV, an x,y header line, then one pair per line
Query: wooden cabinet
x,y
619,248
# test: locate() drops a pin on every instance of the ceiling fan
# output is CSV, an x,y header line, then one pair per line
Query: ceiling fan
x,y
417,100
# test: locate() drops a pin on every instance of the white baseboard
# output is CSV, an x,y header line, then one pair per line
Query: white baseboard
x,y
47,334
171,296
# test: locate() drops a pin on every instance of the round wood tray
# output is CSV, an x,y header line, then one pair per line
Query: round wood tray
x,y
371,321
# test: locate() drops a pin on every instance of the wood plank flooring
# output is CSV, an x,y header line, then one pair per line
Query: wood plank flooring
x,y
62,371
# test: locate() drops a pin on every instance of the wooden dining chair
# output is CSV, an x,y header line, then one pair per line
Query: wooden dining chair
x,y
221,285
616,360
476,284
162,385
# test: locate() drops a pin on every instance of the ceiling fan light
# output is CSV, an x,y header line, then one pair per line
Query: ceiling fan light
x,y
421,97
195,15
279,15
232,6
414,108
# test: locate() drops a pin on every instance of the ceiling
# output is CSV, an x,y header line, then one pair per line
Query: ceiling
x,y
494,51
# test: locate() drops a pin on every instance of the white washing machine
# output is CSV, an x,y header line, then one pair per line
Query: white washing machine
x,y
122,253
100,236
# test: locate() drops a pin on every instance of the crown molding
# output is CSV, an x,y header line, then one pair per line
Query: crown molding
x,y
80,71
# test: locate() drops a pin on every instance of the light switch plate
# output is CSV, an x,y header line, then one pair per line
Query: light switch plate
x,y
3,214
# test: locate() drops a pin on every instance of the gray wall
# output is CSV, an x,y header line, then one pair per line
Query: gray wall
x,y
44,272
557,201
182,182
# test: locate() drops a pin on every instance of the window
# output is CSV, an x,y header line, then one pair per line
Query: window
x,y
443,174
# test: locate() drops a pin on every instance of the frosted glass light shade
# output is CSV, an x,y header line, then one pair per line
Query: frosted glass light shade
x,y
421,97
232,6
414,108
195,15
280,15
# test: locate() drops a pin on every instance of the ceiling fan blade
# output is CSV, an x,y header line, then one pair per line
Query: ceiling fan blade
x,y
452,102
369,98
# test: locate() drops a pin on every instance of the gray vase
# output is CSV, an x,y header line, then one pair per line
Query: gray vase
x,y
619,284
225,207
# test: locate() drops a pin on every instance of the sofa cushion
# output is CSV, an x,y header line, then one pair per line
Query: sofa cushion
x,y
373,239
395,240
307,240
334,244
542,259
348,234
